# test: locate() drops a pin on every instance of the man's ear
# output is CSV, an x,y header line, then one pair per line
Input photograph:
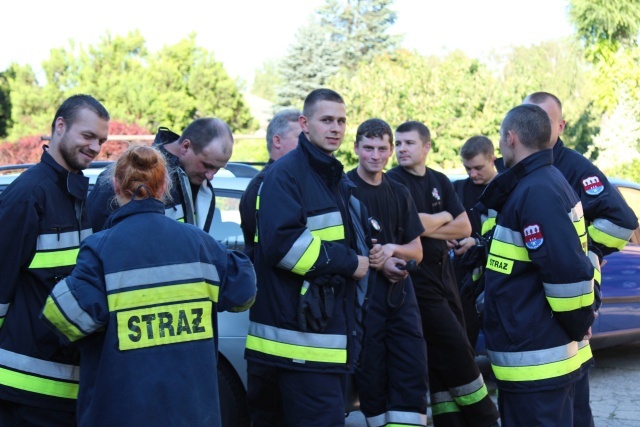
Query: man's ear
x,y
276,141
511,138
184,146
302,120
563,124
60,125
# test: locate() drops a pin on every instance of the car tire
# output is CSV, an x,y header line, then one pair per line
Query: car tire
x,y
233,398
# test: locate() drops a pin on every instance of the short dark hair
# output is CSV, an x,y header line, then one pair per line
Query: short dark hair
x,y
204,130
317,96
72,106
421,128
540,97
279,124
532,125
475,145
374,128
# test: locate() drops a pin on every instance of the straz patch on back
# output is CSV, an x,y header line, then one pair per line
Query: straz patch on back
x,y
165,324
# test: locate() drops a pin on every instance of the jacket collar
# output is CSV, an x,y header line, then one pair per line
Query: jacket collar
x,y
558,148
500,187
135,207
76,184
328,167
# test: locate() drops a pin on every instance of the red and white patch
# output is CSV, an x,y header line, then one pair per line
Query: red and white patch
x,y
435,194
533,237
592,185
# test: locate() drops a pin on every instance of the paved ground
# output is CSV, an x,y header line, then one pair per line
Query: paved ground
x,y
615,388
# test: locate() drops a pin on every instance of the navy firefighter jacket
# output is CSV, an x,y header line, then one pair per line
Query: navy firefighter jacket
x,y
42,222
539,289
304,233
141,305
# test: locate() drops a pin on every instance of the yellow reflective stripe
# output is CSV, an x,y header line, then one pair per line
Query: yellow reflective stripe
x,y
472,398
444,408
162,295
488,225
308,258
54,259
297,352
52,312
543,371
509,250
570,304
1,321
606,239
498,264
330,234
19,380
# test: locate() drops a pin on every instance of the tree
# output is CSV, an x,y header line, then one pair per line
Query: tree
x,y
359,28
5,105
266,80
309,63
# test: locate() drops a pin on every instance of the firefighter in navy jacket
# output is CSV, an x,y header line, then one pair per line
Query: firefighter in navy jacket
x,y
42,222
141,305
304,238
539,295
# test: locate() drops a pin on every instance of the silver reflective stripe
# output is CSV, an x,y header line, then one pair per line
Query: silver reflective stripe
x,y
161,274
567,290
595,261
535,357
441,397
469,388
3,309
40,367
576,212
297,250
490,214
508,236
175,212
305,339
320,222
397,417
71,309
56,241
611,229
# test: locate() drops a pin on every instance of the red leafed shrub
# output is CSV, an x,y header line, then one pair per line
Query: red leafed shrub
x,y
29,148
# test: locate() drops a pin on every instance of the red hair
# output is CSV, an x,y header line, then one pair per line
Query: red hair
x,y
141,172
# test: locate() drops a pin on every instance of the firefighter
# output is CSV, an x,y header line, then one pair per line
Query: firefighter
x,y
42,222
539,289
303,322
392,375
194,157
459,396
141,305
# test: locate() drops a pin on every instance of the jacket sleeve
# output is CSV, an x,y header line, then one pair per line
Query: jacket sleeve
x,y
19,231
288,243
551,238
610,219
100,202
77,306
238,286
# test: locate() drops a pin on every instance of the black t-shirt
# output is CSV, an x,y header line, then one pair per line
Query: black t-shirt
x,y
391,204
469,193
432,193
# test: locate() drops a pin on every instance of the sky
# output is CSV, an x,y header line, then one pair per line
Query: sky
x,y
244,34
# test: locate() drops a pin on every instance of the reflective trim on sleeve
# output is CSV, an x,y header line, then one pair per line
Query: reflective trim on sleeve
x,y
327,226
298,346
442,403
60,258
470,393
608,234
162,295
539,364
509,244
595,261
64,312
397,418
303,254
4,308
569,296
122,280
488,221
55,242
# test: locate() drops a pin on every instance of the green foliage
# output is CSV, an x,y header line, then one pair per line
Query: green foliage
x,y
171,88
5,105
266,80
250,150
611,21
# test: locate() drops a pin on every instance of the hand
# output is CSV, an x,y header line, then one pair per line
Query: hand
x,y
379,254
464,245
452,244
392,272
588,335
363,267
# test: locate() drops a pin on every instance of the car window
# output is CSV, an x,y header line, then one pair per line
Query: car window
x,y
225,226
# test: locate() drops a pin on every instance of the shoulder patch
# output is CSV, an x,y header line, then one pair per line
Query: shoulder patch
x,y
592,185
533,237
